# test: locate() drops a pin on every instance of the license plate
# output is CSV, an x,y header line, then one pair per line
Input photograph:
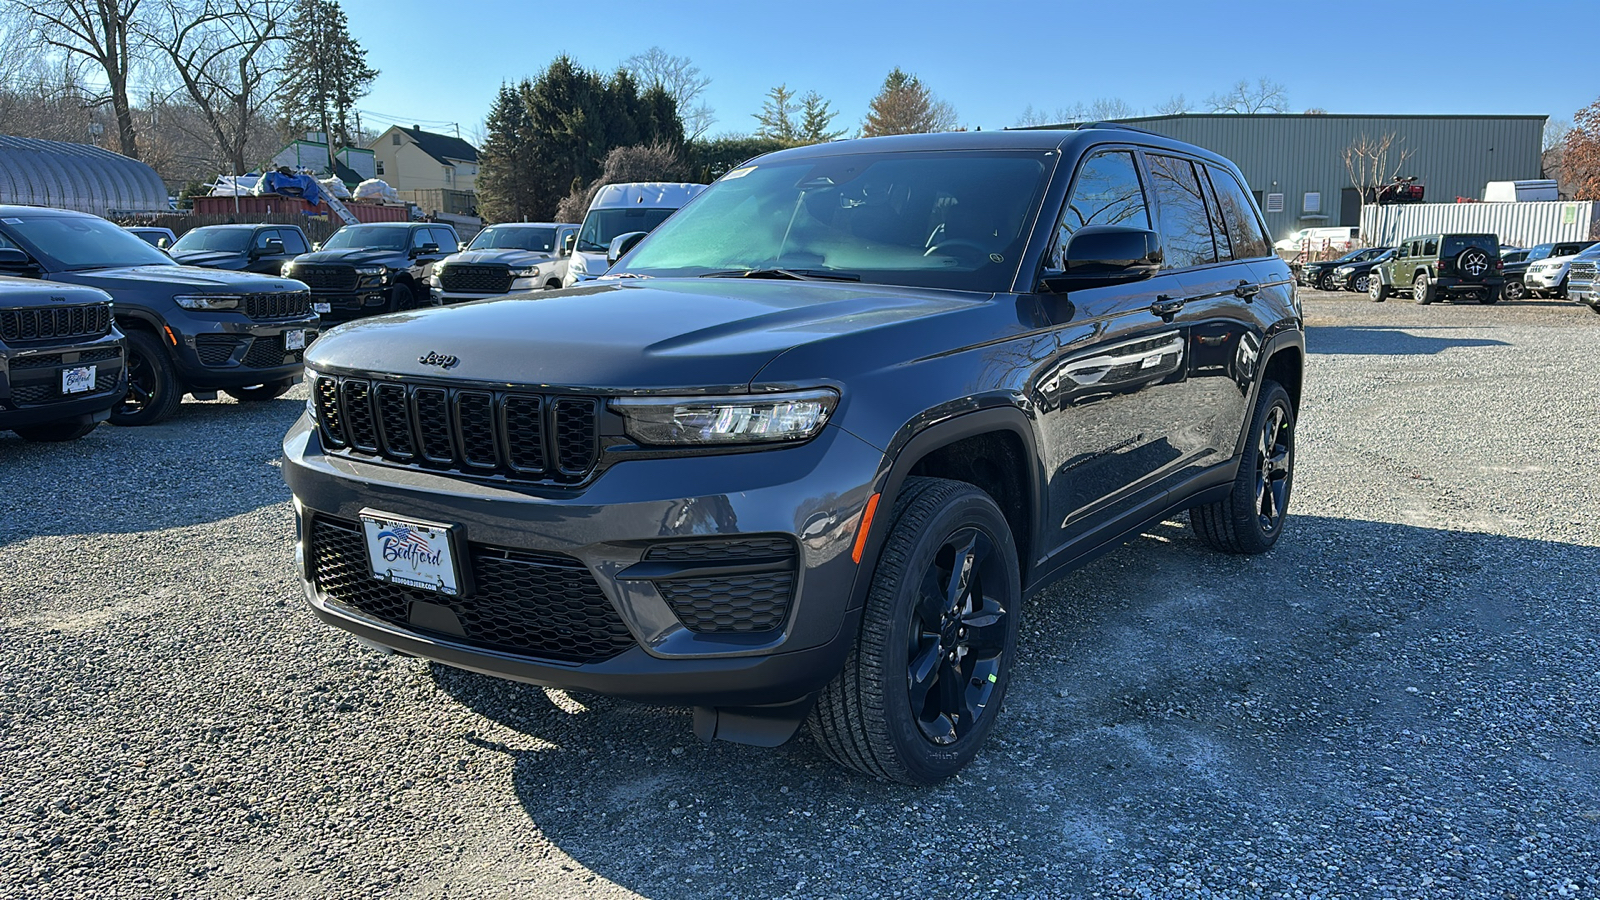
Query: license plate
x,y
77,381
415,554
322,307
294,340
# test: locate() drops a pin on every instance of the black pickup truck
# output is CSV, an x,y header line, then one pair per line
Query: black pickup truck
x,y
374,268
241,248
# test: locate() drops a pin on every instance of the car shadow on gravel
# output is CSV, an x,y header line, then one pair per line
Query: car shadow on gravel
x,y
1383,341
1313,711
210,461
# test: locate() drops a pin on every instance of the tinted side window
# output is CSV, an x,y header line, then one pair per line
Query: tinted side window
x,y
1185,225
446,239
292,241
264,235
420,238
1430,246
1219,230
1243,227
1106,191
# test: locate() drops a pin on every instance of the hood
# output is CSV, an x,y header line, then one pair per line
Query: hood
x,y
218,281
628,335
215,259
505,257
356,257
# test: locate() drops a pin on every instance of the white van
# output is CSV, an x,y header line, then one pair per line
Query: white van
x,y
1341,238
619,209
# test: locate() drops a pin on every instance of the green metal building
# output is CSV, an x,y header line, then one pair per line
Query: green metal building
x,y
1295,162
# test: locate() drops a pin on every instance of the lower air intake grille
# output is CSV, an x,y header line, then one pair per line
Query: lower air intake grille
x,y
528,604
709,601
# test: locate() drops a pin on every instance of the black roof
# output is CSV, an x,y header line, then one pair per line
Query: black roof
x,y
1069,141
442,147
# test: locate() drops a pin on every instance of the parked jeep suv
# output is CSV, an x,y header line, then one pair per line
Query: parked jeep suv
x,y
373,268
61,358
1441,266
503,259
810,444
189,330
241,248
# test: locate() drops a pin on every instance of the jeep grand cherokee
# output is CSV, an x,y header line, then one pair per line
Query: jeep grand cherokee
x,y
61,367
806,449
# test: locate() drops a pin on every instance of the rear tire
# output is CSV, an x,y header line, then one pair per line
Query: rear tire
x,y
1490,295
1251,518
1422,290
55,432
153,388
1514,290
260,393
923,683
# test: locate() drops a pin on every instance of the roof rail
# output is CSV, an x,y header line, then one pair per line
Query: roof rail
x,y
1117,126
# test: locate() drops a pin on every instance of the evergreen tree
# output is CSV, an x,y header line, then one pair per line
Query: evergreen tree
x,y
905,106
815,117
328,73
776,119
505,180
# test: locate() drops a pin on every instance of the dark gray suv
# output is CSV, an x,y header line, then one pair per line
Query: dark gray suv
x,y
189,330
804,451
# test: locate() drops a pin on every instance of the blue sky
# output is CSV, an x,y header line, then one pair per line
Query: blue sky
x,y
442,63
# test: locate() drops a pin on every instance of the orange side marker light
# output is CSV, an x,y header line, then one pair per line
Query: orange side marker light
x,y
866,526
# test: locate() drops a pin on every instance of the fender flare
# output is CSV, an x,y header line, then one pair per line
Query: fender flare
x,y
1287,339
908,448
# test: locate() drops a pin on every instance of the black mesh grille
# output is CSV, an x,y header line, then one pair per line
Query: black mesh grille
x,y
476,279
529,604
722,602
33,394
737,603
475,431
270,352
577,435
55,322
326,278
287,305
217,349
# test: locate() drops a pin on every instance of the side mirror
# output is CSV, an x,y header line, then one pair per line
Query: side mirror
x,y
568,243
1105,255
621,244
426,250
315,246
13,259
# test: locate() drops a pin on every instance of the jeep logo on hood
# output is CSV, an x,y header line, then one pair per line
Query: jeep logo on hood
x,y
438,359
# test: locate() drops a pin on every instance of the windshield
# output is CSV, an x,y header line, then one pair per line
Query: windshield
x,y
950,219
233,240
601,226
515,237
1592,252
82,242
1455,243
368,237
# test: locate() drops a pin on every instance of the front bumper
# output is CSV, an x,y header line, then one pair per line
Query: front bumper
x,y
226,350
343,306
811,494
30,382
1543,281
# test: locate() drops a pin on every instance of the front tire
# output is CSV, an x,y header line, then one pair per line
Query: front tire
x,y
55,432
1377,290
1361,283
402,297
1325,281
922,686
1251,518
153,388
260,393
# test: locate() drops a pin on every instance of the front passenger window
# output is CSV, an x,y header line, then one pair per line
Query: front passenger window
x,y
1106,191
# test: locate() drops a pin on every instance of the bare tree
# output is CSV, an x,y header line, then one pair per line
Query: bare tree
x,y
682,81
1368,162
1101,110
1264,96
103,34
1555,133
228,57
1176,105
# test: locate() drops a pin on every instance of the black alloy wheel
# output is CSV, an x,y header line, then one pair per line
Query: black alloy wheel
x,y
153,389
922,686
402,297
1251,518
1514,289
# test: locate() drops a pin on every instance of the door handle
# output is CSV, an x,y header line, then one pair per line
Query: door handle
x,y
1167,307
1247,291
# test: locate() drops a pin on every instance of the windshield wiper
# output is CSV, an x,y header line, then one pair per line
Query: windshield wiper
x,y
789,274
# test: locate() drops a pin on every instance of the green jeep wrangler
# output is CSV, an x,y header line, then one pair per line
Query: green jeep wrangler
x,y
1441,266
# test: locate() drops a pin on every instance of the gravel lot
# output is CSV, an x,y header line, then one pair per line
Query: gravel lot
x,y
1402,700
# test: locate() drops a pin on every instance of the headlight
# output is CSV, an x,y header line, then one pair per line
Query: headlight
x,y
578,266
288,269
372,270
1342,270
525,272
698,421
309,379
207,301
